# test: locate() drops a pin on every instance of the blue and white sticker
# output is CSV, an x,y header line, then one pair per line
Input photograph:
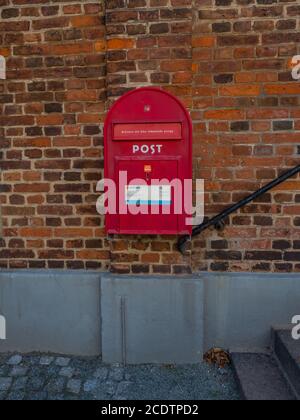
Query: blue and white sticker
x,y
154,195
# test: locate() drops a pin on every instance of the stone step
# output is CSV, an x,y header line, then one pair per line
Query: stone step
x,y
260,378
287,352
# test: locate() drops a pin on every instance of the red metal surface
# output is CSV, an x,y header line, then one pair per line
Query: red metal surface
x,y
148,155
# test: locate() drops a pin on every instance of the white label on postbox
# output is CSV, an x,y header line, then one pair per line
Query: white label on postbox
x,y
154,195
146,150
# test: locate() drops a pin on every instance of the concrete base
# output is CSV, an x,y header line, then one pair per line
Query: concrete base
x,y
51,311
144,319
152,319
241,308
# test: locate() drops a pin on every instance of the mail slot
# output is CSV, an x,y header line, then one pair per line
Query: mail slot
x,y
148,155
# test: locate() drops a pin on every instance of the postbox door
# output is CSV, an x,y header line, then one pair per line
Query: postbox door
x,y
151,197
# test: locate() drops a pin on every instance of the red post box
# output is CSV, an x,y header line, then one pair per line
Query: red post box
x,y
148,154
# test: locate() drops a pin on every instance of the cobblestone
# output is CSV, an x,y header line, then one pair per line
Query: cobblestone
x,y
5,384
74,386
45,377
46,360
62,361
15,360
101,373
18,371
90,385
67,372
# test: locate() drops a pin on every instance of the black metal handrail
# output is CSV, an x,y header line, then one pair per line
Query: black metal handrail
x,y
218,220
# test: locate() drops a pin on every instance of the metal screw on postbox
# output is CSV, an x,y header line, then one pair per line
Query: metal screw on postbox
x,y
148,137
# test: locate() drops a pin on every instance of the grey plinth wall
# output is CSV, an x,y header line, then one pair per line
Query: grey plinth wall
x,y
143,319
51,311
149,320
240,308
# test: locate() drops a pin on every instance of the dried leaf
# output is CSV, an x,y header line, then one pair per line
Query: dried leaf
x,y
217,357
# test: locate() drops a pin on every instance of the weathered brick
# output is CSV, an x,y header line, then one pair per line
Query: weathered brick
x,y
9,13
159,28
223,78
283,125
221,27
263,255
240,126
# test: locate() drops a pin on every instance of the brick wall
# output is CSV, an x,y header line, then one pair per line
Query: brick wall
x,y
246,114
230,63
52,107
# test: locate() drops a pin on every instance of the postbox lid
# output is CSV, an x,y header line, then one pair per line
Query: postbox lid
x,y
149,105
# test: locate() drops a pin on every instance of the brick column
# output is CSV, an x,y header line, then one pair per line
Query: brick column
x,y
52,110
149,43
245,112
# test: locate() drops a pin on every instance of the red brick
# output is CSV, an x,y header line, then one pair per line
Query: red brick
x,y
32,232
230,114
73,232
120,44
85,21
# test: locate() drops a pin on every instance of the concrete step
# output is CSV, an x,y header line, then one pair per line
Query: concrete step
x,y
287,352
260,378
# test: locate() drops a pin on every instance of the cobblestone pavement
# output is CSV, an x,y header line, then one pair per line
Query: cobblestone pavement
x,y
47,377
